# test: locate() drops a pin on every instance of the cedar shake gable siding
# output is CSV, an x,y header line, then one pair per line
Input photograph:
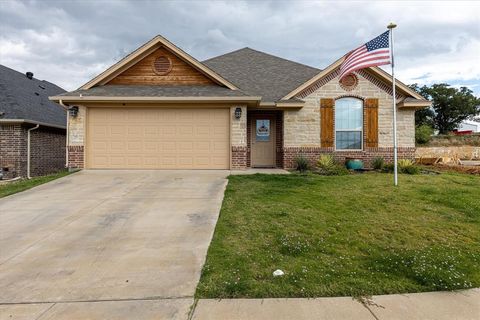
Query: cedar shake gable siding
x,y
142,73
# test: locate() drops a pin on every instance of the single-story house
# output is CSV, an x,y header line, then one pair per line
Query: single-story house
x,y
160,108
32,128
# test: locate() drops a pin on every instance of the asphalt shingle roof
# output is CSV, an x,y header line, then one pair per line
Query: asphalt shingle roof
x,y
24,98
261,74
157,91
255,73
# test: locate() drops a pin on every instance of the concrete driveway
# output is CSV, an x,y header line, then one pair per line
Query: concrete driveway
x,y
107,244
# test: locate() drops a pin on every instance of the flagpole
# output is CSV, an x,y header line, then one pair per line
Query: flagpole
x,y
391,26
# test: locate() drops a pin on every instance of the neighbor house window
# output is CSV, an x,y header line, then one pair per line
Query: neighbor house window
x,y
348,124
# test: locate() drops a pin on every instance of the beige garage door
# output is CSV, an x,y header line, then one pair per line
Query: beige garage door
x,y
158,138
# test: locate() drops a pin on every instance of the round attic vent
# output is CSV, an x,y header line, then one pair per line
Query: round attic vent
x,y
349,82
162,65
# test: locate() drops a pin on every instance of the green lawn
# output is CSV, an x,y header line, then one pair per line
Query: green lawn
x,y
22,185
344,235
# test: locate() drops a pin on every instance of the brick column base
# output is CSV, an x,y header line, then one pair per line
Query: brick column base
x,y
239,158
367,155
76,157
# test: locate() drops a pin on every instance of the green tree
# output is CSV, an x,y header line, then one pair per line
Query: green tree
x,y
450,106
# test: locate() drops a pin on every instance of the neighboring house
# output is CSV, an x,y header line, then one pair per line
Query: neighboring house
x,y
24,105
160,108
469,125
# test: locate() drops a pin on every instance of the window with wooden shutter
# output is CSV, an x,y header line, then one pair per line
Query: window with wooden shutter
x,y
326,122
371,123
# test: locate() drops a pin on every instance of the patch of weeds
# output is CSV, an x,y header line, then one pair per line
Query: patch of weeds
x,y
293,245
281,213
433,268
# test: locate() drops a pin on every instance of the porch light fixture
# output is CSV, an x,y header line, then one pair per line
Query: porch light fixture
x,y
238,113
73,111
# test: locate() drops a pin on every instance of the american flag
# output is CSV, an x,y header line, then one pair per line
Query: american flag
x,y
376,52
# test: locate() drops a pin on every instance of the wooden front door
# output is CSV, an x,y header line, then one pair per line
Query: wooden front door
x,y
263,141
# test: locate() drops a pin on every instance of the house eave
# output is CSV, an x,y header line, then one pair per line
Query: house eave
x,y
78,99
414,105
282,105
21,121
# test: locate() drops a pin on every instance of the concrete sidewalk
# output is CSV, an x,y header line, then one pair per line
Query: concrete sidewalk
x,y
461,305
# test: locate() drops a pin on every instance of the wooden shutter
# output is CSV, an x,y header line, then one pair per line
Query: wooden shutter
x,y
326,122
371,123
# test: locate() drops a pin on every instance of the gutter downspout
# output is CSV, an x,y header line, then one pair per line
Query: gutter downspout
x,y
67,133
28,149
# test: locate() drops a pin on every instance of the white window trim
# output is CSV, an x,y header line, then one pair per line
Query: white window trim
x,y
346,130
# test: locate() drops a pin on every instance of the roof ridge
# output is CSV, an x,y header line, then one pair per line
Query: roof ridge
x,y
265,53
272,55
226,53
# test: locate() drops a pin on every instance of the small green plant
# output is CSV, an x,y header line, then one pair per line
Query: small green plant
x,y
404,166
423,134
326,161
402,163
328,167
301,163
378,163
413,169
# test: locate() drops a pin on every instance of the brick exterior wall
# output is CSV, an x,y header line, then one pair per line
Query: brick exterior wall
x,y
239,158
76,157
13,150
47,150
367,155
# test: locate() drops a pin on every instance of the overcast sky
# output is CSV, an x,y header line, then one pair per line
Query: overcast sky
x,y
69,42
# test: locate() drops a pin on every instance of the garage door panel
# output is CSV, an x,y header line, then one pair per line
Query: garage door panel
x,y
157,138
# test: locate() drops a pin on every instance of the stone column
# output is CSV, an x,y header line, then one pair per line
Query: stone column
x,y
238,139
76,139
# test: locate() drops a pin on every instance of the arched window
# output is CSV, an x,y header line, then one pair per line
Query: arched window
x,y
348,124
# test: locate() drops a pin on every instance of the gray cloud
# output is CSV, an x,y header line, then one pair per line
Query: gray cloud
x,y
69,42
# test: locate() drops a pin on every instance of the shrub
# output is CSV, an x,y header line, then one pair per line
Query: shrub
x,y
378,163
423,134
404,166
326,161
328,167
402,163
301,163
413,169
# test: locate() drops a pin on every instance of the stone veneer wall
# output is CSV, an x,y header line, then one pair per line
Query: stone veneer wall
x,y
76,139
238,139
302,127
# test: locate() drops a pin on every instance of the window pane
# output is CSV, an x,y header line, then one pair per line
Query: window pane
x,y
349,140
348,114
